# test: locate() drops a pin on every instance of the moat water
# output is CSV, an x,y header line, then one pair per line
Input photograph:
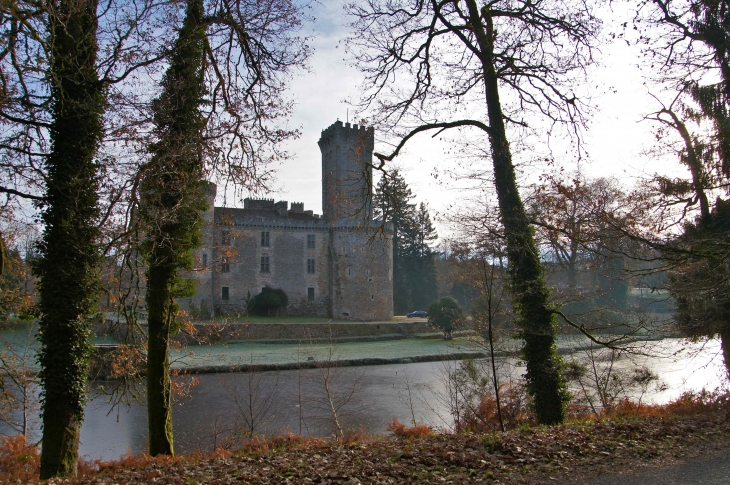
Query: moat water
x,y
366,398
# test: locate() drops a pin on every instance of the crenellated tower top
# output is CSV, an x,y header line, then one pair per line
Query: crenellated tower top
x,y
347,174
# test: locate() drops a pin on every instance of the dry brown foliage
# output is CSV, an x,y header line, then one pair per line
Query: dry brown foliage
x,y
19,460
402,431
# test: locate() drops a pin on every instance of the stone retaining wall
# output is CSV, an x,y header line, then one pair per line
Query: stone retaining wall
x,y
292,332
288,332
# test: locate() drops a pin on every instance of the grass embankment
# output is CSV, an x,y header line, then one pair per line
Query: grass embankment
x,y
630,437
259,319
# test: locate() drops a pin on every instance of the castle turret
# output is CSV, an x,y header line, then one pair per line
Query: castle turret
x,y
210,190
347,174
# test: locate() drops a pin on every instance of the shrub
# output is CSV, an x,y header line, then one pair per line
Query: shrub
x,y
445,314
19,460
402,431
484,417
268,301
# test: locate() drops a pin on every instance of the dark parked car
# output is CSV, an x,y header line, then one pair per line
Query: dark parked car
x,y
418,313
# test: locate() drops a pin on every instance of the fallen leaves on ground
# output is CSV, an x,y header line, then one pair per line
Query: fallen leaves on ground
x,y
562,453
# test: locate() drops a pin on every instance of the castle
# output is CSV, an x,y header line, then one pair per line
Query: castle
x,y
338,265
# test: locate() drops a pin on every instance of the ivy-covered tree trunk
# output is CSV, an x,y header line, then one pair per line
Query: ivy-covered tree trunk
x,y
171,204
537,325
69,258
725,344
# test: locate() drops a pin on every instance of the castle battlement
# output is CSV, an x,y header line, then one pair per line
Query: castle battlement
x,y
265,204
347,133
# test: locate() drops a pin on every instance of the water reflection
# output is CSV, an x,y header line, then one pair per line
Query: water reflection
x,y
364,397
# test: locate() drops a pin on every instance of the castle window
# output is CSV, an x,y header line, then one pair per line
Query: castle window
x,y
310,294
310,266
311,241
226,238
265,265
224,293
265,242
225,266
204,260
367,271
372,297
349,272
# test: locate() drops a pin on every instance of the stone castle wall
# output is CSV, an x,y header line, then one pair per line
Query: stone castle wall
x,y
348,274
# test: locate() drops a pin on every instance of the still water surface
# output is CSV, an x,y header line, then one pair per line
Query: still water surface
x,y
379,393
365,397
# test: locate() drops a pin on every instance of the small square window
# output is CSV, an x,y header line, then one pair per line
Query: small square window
x,y
265,264
310,294
225,266
311,241
224,293
311,268
265,241
226,238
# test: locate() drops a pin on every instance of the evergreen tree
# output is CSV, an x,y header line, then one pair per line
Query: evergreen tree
x,y
422,259
699,280
392,203
414,265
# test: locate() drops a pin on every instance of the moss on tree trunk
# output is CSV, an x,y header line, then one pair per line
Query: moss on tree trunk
x,y
725,343
160,316
69,258
171,203
537,322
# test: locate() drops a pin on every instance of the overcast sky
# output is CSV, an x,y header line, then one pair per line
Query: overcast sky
x,y
614,141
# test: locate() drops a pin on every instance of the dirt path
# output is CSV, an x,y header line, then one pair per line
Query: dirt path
x,y
710,469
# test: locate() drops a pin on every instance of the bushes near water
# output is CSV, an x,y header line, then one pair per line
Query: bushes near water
x,y
268,303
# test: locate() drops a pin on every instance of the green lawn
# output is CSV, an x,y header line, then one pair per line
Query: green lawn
x,y
242,352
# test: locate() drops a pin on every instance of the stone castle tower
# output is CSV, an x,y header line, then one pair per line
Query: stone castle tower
x,y
347,173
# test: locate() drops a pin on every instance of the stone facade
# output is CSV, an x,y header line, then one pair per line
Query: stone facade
x,y
338,265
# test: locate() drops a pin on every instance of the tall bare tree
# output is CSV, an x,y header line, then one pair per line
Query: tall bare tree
x,y
235,60
485,65
60,62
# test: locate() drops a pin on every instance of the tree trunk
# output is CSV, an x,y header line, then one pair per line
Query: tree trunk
x,y
67,268
171,204
538,328
159,406
725,343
